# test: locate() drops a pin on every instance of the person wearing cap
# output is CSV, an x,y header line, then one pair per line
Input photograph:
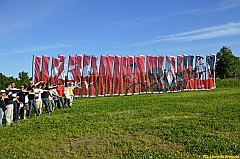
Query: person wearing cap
x,y
2,105
9,103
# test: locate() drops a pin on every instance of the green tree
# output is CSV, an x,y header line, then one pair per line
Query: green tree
x,y
23,77
226,63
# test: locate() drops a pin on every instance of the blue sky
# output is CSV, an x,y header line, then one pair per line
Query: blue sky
x,y
114,27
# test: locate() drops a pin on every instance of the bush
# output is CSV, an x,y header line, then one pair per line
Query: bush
x,y
228,83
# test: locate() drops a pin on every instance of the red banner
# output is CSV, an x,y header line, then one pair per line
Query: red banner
x,y
86,69
93,77
116,75
155,85
71,68
61,73
129,79
136,77
185,72
102,73
123,74
141,66
109,75
149,76
78,76
36,68
54,70
45,66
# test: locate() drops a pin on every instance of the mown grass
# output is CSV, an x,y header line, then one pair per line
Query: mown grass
x,y
170,125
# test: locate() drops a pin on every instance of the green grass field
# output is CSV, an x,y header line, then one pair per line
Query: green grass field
x,y
170,125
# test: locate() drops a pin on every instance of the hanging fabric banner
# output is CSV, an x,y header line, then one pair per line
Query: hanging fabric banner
x,y
93,76
185,72
116,75
190,84
160,74
123,74
136,77
129,78
180,72
212,68
61,74
200,73
141,67
71,68
54,70
78,76
102,74
210,72
109,75
86,69
155,84
170,73
45,70
149,76
36,68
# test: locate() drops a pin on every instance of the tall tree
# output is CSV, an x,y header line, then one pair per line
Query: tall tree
x,y
24,79
226,63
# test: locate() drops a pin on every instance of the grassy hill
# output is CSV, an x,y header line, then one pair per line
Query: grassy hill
x,y
170,125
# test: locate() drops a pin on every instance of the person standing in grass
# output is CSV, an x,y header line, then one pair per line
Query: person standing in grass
x,y
55,98
15,104
9,102
71,90
60,90
21,100
67,97
45,95
2,105
38,92
31,99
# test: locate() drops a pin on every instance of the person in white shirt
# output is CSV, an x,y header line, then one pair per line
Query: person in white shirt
x,y
38,98
67,97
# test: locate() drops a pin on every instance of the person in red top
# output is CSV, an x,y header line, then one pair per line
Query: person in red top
x,y
60,90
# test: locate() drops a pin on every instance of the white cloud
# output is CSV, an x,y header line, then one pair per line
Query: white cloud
x,y
200,34
35,49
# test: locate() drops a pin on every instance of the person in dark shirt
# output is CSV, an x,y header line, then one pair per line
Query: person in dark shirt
x,y
45,96
9,103
21,96
2,105
31,99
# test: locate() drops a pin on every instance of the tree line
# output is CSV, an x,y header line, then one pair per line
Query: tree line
x,y
23,78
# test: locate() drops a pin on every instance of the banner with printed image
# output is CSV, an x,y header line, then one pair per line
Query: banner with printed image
x,y
71,68
78,76
123,75
85,73
93,77
129,77
200,73
102,74
171,73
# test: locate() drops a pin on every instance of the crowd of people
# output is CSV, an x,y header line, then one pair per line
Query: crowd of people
x,y
17,103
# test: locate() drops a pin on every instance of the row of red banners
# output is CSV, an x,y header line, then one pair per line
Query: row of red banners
x,y
119,75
